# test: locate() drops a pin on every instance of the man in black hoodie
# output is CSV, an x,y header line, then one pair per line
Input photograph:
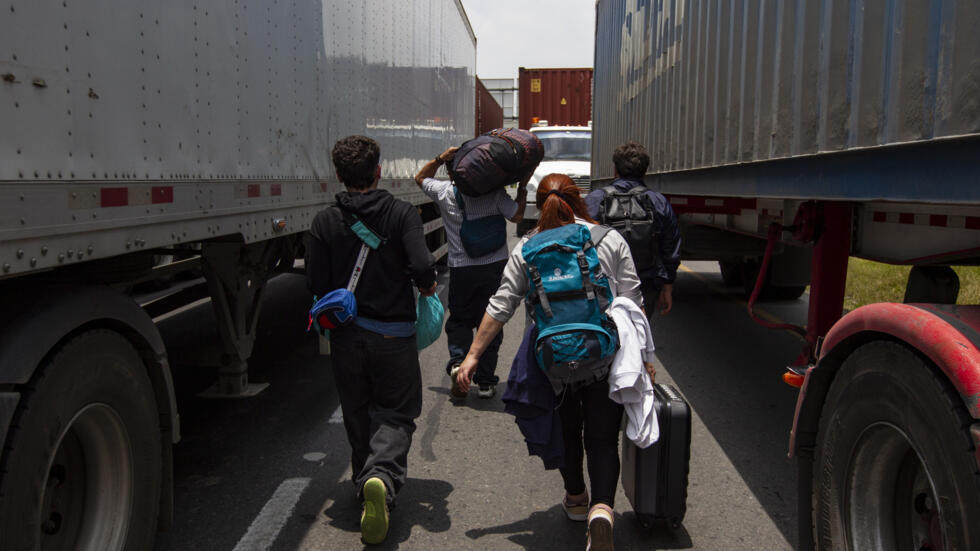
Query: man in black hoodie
x,y
375,361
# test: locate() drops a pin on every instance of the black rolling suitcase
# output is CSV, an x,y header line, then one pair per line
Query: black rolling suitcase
x,y
655,478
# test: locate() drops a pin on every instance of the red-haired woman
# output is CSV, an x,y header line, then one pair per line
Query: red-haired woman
x,y
585,407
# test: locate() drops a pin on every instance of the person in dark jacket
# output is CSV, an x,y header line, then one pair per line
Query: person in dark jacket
x,y
630,162
375,361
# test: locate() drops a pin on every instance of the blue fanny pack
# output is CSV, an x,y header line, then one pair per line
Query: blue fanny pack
x,y
338,308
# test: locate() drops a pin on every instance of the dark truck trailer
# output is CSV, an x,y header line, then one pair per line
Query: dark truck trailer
x,y
563,97
489,113
790,136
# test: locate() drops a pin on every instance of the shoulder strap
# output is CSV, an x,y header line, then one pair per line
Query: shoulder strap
x,y
355,276
459,201
640,192
369,240
598,233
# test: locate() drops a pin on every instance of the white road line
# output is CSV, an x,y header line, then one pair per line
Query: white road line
x,y
337,417
265,528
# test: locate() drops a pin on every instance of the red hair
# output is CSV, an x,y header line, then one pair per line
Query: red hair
x,y
559,201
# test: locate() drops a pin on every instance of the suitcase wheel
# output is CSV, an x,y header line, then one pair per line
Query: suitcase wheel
x,y
646,521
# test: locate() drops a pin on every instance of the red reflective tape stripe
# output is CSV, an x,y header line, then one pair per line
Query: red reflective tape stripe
x,y
161,194
114,196
254,190
276,189
906,218
972,223
323,186
937,220
880,216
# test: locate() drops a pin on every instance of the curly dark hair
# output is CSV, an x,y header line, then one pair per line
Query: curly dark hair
x,y
355,159
631,160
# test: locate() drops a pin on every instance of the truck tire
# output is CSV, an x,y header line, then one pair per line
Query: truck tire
x,y
731,272
82,462
894,466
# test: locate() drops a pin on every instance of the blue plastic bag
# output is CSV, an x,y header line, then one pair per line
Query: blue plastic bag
x,y
428,325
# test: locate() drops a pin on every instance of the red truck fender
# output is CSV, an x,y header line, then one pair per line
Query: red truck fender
x,y
949,336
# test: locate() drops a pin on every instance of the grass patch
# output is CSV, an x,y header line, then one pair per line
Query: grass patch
x,y
869,282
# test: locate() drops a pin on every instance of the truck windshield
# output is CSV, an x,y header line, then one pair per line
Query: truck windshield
x,y
566,145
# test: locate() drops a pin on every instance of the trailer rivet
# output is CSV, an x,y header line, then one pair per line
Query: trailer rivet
x,y
33,262
90,249
44,251
61,257
20,253
6,268
71,253
129,244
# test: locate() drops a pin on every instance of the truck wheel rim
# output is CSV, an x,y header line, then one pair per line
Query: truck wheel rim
x,y
890,502
88,496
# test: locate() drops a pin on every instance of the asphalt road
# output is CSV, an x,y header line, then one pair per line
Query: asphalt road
x,y
272,471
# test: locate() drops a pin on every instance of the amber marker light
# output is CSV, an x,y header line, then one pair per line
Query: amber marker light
x,y
793,379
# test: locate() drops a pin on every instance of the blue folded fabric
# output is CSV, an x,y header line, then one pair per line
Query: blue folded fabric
x,y
530,398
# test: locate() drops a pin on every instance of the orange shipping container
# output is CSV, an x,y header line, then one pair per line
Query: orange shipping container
x,y
563,97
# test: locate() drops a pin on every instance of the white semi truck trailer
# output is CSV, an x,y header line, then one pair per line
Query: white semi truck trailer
x,y
790,136
140,139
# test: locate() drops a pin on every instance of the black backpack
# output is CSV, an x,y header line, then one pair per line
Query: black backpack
x,y
631,213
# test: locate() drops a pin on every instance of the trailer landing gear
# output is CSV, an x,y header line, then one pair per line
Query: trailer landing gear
x,y
237,275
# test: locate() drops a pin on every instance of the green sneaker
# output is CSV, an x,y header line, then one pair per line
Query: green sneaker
x,y
374,519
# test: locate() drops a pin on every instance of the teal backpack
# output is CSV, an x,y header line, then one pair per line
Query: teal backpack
x,y
568,296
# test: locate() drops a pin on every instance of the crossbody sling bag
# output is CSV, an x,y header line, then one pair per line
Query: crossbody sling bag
x,y
338,308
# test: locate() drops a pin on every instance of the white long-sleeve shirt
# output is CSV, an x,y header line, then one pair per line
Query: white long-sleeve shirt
x,y
614,258
629,382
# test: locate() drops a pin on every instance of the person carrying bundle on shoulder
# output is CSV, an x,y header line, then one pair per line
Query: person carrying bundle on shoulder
x,y
474,206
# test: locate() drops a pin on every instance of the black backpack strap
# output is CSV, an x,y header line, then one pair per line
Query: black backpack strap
x,y
607,191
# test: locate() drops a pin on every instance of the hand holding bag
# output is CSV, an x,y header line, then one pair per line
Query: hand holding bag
x,y
428,324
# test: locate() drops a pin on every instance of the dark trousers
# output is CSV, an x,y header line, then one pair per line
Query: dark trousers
x,y
590,408
470,289
379,382
651,293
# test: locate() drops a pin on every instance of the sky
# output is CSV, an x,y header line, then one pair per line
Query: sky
x,y
530,33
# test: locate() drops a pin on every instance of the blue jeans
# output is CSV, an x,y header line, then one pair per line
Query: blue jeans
x,y
470,289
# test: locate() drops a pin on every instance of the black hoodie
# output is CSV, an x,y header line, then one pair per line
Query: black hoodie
x,y
384,292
